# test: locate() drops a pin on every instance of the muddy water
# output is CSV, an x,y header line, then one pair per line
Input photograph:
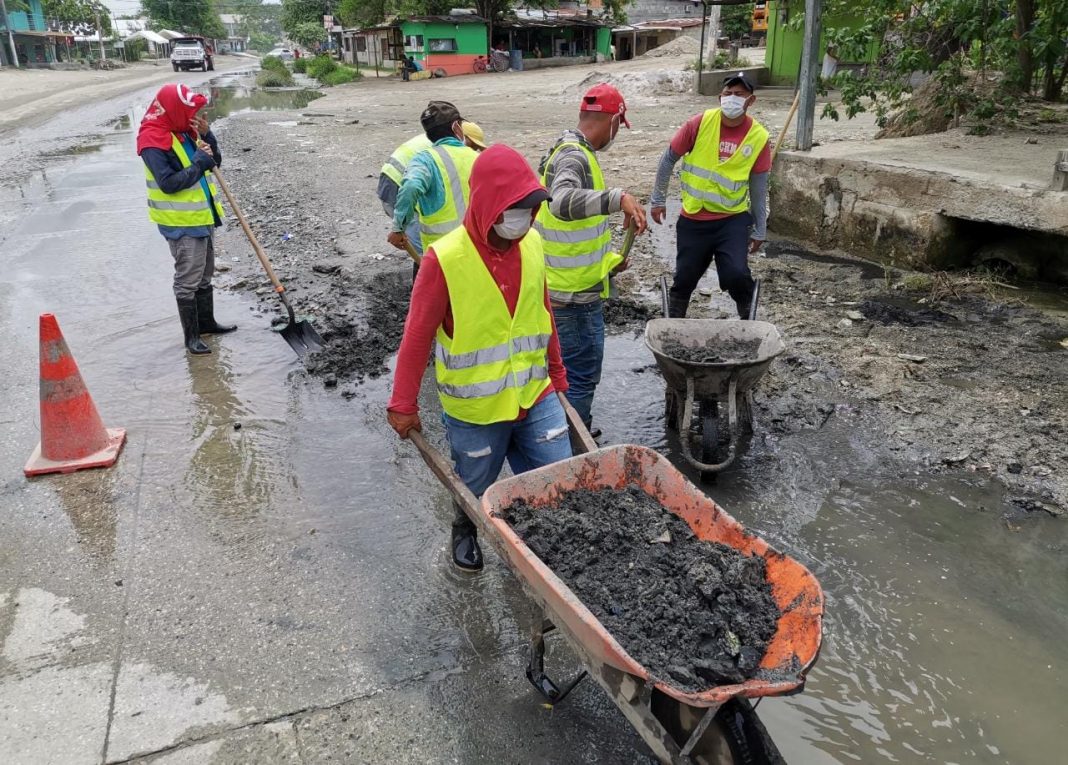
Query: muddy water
x,y
944,636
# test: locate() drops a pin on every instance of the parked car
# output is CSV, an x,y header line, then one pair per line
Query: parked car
x,y
192,53
283,53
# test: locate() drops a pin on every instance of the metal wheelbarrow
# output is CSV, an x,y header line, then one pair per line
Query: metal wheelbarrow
x,y
696,389
679,726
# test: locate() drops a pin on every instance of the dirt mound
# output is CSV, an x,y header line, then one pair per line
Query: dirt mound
x,y
680,46
697,613
624,312
718,351
658,82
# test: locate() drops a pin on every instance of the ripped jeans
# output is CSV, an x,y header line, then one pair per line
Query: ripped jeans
x,y
479,451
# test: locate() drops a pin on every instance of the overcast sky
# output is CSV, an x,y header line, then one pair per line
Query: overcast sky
x,y
133,7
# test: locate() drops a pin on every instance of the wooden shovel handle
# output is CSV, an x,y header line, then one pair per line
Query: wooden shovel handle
x,y
412,252
786,127
248,231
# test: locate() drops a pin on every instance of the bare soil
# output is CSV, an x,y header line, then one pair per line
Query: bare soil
x,y
697,614
712,351
988,398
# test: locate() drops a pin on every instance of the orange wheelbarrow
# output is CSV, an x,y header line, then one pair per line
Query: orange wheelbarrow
x,y
679,726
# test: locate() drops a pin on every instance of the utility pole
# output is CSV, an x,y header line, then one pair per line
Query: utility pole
x,y
100,35
10,34
810,67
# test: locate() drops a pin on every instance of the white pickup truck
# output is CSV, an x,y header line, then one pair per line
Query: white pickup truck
x,y
191,53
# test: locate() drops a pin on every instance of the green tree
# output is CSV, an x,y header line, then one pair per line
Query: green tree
x,y
193,16
79,16
308,34
736,20
979,57
296,12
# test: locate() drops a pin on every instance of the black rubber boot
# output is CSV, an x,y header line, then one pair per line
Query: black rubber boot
x,y
466,554
206,313
677,307
187,312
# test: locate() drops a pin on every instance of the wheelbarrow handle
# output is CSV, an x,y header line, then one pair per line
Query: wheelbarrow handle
x,y
440,467
581,440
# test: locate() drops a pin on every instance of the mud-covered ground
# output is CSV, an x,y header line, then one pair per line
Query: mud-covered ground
x,y
698,614
973,384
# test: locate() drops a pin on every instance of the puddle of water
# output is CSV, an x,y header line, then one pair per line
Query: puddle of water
x,y
943,638
235,97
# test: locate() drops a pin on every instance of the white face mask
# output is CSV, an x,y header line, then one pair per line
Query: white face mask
x,y
516,224
733,106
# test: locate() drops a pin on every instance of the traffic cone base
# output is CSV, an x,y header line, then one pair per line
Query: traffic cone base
x,y
40,465
72,435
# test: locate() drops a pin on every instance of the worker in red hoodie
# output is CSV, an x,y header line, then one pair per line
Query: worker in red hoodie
x,y
481,293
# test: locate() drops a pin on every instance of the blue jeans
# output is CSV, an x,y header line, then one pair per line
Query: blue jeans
x,y
479,451
580,328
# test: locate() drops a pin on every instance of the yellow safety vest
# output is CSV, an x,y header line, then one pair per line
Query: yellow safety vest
x,y
454,163
719,187
402,155
495,363
578,253
186,208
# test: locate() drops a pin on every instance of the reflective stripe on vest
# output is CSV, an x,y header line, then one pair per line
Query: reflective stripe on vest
x,y
495,363
186,208
454,163
402,155
578,253
714,186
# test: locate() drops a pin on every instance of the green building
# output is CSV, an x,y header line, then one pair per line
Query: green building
x,y
784,42
450,43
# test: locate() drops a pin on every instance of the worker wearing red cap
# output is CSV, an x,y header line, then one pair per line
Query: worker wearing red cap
x,y
578,242
725,166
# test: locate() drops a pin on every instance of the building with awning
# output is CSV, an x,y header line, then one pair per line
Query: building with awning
x,y
540,38
38,42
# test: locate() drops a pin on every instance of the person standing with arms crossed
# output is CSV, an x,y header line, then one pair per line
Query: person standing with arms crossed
x,y
578,242
725,165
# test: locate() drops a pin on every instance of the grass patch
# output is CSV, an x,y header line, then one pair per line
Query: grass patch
x,y
273,64
300,65
340,76
320,66
274,78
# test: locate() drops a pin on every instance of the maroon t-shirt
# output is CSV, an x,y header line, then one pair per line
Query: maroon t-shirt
x,y
730,138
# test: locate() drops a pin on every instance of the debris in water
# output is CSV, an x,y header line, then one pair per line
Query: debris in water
x,y
698,614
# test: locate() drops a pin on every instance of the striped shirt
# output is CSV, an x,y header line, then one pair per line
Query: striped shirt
x,y
569,180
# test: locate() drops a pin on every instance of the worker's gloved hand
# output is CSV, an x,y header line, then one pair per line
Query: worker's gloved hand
x,y
658,213
633,211
755,245
622,266
199,123
404,423
398,239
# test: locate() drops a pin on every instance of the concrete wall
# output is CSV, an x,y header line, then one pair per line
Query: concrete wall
x,y
551,63
712,81
648,10
911,218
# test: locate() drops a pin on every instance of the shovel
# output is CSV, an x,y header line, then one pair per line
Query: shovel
x,y
300,335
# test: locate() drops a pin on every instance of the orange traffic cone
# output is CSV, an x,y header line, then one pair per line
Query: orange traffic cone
x,y
72,435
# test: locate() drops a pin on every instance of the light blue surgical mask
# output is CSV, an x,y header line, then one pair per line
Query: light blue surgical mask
x,y
733,106
515,225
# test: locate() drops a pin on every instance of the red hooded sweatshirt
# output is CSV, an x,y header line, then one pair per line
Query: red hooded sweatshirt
x,y
500,178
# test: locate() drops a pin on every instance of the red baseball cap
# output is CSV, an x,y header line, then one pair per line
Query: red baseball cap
x,y
605,98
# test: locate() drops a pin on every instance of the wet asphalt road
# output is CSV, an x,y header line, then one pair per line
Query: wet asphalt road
x,y
279,591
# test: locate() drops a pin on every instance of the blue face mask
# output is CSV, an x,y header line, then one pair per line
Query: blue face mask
x,y
515,225
733,106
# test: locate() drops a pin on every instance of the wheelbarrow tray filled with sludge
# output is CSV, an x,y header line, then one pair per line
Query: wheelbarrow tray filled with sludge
x,y
793,648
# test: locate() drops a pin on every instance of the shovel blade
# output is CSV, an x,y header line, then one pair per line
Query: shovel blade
x,y
302,338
